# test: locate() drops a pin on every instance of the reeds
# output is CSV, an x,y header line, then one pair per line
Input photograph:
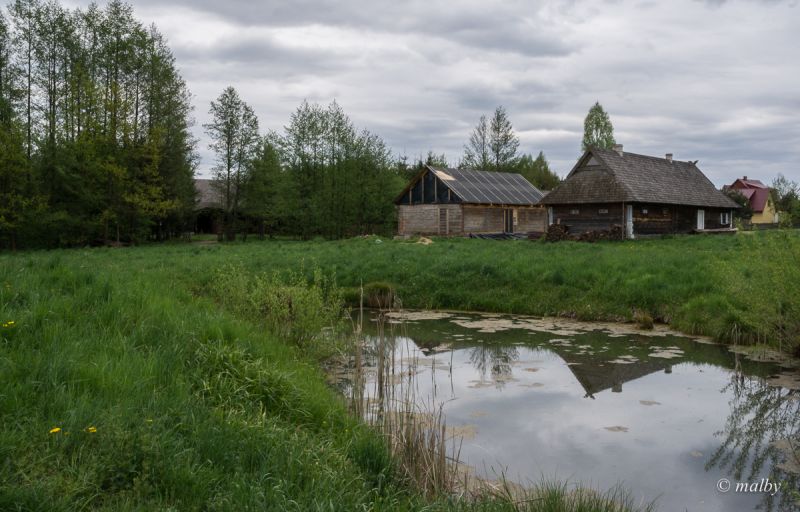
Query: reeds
x,y
414,431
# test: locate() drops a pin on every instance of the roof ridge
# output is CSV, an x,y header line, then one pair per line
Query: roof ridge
x,y
620,182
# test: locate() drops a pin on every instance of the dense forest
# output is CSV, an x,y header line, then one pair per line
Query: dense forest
x,y
95,141
96,144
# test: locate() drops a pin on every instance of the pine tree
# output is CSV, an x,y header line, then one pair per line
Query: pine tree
x,y
503,143
597,129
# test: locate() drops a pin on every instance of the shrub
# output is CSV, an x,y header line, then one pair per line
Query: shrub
x,y
379,295
290,306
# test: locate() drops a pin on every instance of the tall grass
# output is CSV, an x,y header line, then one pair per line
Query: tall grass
x,y
734,288
170,393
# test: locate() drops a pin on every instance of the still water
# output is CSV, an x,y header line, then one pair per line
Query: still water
x,y
666,416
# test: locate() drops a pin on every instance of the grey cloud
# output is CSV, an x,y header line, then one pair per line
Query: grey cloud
x,y
688,76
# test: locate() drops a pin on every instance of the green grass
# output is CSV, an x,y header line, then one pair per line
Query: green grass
x,y
197,406
734,288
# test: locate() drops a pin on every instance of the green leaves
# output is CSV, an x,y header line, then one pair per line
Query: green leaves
x,y
597,129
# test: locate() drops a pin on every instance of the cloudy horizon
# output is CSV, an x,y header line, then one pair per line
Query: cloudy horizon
x,y
715,81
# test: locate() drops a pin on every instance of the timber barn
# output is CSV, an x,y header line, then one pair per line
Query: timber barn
x,y
644,195
458,202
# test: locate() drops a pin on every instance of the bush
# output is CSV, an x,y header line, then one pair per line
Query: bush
x,y
290,306
379,295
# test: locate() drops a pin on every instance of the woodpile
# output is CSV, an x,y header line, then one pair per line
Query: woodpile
x,y
558,232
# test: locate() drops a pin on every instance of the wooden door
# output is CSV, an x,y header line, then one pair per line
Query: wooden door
x,y
508,220
444,224
629,221
701,219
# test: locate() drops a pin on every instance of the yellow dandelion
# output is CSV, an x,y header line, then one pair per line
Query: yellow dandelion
x,y
11,322
55,430
91,430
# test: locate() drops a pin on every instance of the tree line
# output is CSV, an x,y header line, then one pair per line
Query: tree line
x,y
95,143
494,146
320,177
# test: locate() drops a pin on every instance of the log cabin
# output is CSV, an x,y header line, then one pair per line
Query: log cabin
x,y
644,195
458,202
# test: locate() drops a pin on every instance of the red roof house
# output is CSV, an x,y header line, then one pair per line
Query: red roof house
x,y
759,198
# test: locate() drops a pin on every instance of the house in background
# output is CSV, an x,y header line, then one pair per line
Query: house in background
x,y
758,197
460,202
644,195
208,207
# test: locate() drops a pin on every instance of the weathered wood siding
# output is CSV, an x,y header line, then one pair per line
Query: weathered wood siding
x,y
531,220
483,219
648,219
581,218
429,219
659,219
489,219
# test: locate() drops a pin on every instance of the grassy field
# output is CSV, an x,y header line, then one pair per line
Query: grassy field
x,y
145,379
734,288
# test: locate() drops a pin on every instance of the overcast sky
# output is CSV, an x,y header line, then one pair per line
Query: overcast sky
x,y
716,81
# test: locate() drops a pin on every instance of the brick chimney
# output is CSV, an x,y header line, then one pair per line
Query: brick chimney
x,y
669,157
618,148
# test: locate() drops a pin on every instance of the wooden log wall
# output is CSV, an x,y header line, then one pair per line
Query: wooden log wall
x,y
581,218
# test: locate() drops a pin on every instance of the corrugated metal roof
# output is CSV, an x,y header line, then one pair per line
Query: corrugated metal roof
x,y
638,178
484,187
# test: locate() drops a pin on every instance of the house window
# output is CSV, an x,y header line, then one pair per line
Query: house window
x,y
666,211
644,211
574,211
602,210
725,218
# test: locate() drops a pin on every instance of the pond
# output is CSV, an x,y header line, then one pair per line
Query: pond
x,y
665,415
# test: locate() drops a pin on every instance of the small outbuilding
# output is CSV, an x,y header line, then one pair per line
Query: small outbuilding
x,y
208,207
643,195
458,202
759,199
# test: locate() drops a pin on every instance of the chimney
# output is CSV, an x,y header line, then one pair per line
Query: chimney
x,y
669,157
618,148
745,178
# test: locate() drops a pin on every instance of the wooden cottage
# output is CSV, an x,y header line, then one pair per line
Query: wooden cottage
x,y
645,195
208,207
456,202
758,197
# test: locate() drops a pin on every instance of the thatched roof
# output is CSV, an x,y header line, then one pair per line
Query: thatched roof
x,y
207,195
606,176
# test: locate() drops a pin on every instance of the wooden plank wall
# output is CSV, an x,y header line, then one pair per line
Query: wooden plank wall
x,y
423,219
531,220
489,219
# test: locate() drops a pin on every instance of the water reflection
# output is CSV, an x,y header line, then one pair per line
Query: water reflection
x,y
494,363
550,402
761,436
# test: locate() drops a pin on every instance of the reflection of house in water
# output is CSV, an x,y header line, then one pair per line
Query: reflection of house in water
x,y
597,375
